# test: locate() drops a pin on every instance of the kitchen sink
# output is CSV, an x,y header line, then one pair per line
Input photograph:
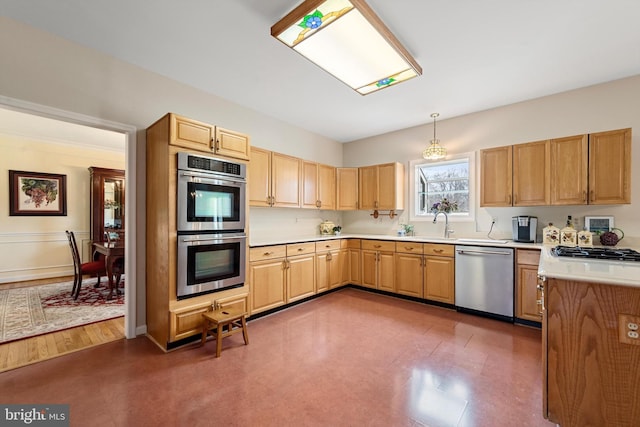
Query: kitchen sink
x,y
491,241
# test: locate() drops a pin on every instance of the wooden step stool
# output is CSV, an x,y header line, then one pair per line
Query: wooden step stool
x,y
233,319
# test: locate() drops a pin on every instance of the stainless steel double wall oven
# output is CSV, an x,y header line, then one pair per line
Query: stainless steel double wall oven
x,y
211,224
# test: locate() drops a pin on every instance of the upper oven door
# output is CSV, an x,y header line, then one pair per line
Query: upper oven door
x,y
206,202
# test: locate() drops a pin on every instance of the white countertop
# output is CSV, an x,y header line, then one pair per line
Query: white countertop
x,y
623,273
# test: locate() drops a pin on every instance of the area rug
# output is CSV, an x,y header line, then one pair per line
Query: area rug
x,y
31,311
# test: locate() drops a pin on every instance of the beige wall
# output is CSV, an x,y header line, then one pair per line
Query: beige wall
x,y
36,247
609,106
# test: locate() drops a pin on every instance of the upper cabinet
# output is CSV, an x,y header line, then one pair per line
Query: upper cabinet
x,y
496,176
610,167
576,170
347,189
318,186
107,202
381,187
274,179
200,136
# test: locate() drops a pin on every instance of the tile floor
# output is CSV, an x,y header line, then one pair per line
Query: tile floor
x,y
350,358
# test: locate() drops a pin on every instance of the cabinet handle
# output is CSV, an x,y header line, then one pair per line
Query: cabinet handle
x,y
329,256
217,144
509,199
584,195
327,246
438,251
375,204
300,249
377,246
318,203
515,199
407,248
284,265
268,253
273,200
592,196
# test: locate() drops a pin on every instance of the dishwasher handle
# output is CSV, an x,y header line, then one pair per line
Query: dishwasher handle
x,y
466,251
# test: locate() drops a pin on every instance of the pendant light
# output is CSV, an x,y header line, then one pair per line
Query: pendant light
x,y
434,151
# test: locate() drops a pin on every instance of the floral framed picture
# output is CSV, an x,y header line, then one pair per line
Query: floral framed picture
x,y
37,194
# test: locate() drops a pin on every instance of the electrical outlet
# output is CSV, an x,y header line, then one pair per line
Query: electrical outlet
x,y
628,326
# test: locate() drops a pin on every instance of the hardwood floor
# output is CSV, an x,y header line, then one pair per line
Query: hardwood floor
x,y
24,352
349,358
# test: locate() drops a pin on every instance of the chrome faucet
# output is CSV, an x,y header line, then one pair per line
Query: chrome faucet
x,y
447,230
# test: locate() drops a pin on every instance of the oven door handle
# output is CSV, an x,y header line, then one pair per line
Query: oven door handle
x,y
211,178
187,240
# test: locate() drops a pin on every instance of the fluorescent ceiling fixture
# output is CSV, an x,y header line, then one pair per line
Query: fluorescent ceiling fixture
x,y
349,41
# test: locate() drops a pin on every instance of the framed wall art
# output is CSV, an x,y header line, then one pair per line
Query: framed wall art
x,y
598,224
37,194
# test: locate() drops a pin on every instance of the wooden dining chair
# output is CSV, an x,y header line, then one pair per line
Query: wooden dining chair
x,y
96,267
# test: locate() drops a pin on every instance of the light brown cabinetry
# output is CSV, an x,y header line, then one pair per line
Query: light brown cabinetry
x,y
346,189
439,276
195,135
409,269
381,187
318,186
301,271
329,265
531,184
267,276
353,254
496,176
528,296
273,179
610,167
378,264
590,377
569,169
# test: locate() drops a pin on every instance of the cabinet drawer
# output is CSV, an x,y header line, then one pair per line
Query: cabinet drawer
x,y
327,245
379,245
267,252
353,243
409,247
528,257
301,249
438,249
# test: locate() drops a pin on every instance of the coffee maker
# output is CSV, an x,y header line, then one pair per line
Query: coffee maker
x,y
524,228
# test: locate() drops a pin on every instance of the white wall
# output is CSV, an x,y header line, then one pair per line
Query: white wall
x,y
35,247
609,106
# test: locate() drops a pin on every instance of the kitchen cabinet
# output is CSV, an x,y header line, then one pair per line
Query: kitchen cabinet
x,y
301,271
353,254
409,269
531,185
195,135
273,179
569,170
590,374
381,187
439,272
346,189
610,167
496,176
378,264
528,295
267,277
329,265
318,186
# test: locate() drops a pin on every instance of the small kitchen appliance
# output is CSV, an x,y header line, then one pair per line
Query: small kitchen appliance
x,y
524,228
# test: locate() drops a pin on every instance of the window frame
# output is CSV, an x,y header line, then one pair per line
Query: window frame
x,y
413,188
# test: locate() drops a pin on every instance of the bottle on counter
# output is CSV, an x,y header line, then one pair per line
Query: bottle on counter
x,y
550,235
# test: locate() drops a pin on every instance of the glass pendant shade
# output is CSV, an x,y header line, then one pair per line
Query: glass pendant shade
x,y
349,41
434,151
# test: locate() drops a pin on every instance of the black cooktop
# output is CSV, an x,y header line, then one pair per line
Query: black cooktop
x,y
614,254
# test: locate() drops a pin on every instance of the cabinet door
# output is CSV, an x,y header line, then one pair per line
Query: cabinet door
x,y
531,185
439,282
568,170
322,271
190,134
186,322
345,266
301,277
267,284
369,275
527,293
334,266
232,144
368,187
310,198
610,167
354,266
285,175
259,177
386,271
496,176
327,186
409,280
390,186
347,189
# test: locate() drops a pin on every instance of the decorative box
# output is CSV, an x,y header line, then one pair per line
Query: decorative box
x,y
551,235
568,236
585,239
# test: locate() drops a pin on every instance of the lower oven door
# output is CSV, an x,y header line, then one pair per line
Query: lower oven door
x,y
210,263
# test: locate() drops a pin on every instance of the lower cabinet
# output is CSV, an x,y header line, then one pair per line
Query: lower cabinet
x,y
301,277
528,296
378,264
267,284
353,256
439,277
410,269
329,265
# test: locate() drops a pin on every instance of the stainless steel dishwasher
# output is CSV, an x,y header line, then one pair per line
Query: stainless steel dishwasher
x,y
484,280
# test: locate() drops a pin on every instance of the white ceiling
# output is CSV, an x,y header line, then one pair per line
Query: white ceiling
x,y
475,55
